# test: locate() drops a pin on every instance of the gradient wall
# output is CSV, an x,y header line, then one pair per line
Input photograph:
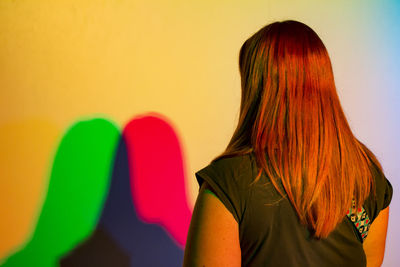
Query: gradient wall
x,y
73,72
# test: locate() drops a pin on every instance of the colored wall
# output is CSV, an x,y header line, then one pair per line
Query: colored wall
x,y
85,84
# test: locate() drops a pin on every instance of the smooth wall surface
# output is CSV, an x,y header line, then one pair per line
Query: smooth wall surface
x,y
63,62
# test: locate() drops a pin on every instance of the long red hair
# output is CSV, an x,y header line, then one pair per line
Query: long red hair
x,y
291,118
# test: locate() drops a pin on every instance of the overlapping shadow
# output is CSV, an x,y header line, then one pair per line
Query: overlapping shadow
x,y
146,244
122,237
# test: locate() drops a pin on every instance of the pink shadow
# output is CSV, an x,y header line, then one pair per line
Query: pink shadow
x,y
157,175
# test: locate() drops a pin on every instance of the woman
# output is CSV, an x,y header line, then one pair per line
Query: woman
x,y
294,187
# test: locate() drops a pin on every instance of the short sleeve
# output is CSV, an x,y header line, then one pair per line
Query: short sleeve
x,y
387,197
382,198
227,178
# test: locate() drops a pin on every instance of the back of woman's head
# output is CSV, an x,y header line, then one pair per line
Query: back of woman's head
x,y
291,118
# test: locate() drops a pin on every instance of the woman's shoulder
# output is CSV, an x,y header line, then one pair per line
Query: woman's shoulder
x,y
241,167
229,178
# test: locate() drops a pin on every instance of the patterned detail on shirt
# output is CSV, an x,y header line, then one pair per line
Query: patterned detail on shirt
x,y
360,219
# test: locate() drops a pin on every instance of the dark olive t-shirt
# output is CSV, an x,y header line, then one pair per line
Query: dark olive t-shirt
x,y
269,229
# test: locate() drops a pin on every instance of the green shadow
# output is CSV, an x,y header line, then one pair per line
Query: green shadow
x,y
78,185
